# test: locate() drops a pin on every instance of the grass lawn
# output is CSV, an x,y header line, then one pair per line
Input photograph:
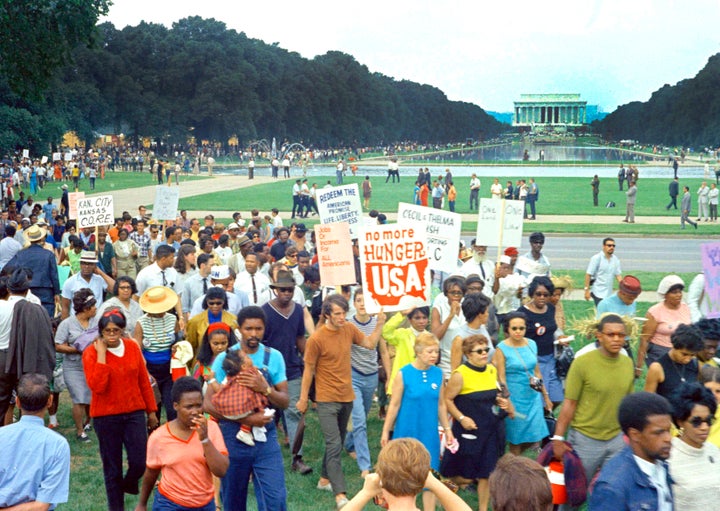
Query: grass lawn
x,y
558,196
87,490
113,181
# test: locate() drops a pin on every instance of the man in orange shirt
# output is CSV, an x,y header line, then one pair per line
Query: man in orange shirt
x,y
327,359
187,451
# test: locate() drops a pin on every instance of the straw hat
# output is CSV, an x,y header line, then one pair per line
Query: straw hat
x,y
158,299
88,256
35,233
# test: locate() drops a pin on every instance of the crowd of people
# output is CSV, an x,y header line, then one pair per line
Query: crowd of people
x,y
219,340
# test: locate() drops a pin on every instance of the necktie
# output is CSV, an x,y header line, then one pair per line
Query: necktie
x,y
164,281
252,277
204,285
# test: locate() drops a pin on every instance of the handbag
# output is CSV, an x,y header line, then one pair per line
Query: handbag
x,y
535,383
564,357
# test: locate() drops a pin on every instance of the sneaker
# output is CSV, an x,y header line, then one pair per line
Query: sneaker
x,y
245,437
87,427
298,465
83,438
324,487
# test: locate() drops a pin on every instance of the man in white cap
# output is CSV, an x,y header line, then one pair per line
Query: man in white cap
x,y
44,283
480,265
89,276
220,277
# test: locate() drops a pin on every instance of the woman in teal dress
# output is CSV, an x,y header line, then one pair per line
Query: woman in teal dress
x,y
418,389
516,362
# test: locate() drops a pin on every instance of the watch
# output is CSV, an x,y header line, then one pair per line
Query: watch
x,y
268,391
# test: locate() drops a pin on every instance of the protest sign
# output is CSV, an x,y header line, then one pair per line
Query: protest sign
x,y
73,198
26,153
43,160
68,156
443,233
335,254
710,304
95,211
395,269
57,156
166,202
500,223
341,204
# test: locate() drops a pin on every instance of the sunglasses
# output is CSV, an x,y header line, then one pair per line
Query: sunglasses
x,y
696,422
518,328
220,302
609,244
480,350
542,294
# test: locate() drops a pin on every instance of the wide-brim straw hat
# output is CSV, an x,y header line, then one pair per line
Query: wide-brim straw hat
x,y
158,299
35,233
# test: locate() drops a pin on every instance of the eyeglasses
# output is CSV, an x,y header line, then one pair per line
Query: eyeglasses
x,y
455,293
518,328
481,350
124,287
696,422
610,244
542,295
216,302
112,330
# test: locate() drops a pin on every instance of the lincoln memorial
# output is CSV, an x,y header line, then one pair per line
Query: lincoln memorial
x,y
549,110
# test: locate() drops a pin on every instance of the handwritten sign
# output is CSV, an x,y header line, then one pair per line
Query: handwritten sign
x,y
26,153
95,211
335,254
711,268
395,269
341,204
166,202
56,156
44,160
489,226
443,233
73,198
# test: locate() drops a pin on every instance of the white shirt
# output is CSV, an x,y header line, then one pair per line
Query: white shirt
x,y
151,276
657,474
97,285
6,316
603,270
8,248
474,184
236,301
697,299
243,282
496,189
486,271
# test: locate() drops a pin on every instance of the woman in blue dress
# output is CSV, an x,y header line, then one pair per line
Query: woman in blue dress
x,y
516,361
417,389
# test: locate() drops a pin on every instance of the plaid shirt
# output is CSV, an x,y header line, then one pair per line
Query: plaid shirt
x,y
238,400
143,242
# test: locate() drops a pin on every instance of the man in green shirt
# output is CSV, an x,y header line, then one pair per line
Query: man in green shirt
x,y
596,384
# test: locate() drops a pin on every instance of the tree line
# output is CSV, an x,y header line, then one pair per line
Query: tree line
x,y
686,114
201,79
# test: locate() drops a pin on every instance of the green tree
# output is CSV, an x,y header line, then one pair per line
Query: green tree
x,y
38,37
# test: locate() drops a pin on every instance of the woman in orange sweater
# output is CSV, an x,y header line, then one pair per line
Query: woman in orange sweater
x,y
121,397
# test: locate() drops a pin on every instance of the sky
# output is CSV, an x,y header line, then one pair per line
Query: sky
x,y
612,52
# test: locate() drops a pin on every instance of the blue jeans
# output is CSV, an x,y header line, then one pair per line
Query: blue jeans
x,y
356,440
263,461
338,177
162,503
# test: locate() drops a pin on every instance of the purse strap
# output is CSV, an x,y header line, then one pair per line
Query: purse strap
x,y
521,359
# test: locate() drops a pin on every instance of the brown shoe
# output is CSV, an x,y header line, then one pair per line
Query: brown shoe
x,y
298,465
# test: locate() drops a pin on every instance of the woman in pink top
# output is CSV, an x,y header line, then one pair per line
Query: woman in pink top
x,y
662,320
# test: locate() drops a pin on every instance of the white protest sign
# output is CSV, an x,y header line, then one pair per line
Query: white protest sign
x,y
166,202
341,204
43,160
95,211
73,198
443,233
500,217
26,153
395,269
57,156
335,254
68,156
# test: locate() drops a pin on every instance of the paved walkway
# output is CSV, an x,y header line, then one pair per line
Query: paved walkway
x,y
131,198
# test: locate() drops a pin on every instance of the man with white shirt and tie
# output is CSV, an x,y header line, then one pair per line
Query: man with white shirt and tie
x,y
253,282
196,285
161,273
